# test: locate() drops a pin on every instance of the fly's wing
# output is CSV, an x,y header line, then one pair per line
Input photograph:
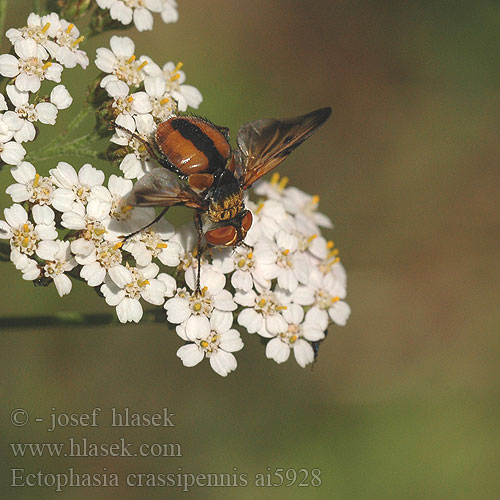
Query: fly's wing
x,y
162,188
264,144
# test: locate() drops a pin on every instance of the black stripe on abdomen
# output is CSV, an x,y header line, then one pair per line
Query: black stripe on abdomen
x,y
201,141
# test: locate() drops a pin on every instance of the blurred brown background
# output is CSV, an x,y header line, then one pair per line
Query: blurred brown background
x,y
403,401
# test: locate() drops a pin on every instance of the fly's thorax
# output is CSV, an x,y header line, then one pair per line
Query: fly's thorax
x,y
226,208
225,197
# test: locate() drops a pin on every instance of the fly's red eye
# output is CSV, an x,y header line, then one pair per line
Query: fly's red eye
x,y
222,236
246,222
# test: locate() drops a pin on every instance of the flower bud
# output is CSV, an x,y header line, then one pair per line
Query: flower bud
x,y
70,8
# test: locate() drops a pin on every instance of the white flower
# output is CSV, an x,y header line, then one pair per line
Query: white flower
x,y
217,345
155,242
262,313
58,260
269,217
169,12
76,187
313,244
93,248
11,152
282,260
338,272
124,218
296,336
22,118
30,69
120,62
324,293
104,256
56,35
60,97
140,11
305,207
24,235
331,264
127,105
272,189
186,236
126,285
138,160
161,101
29,267
66,40
194,309
30,186
241,263
35,29
185,95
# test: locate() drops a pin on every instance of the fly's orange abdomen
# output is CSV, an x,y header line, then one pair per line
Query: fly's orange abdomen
x,y
192,145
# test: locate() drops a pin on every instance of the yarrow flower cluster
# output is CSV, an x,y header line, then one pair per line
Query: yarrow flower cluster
x,y
285,283
141,94
43,48
140,11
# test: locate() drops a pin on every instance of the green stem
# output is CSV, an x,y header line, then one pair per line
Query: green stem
x,y
75,147
81,115
73,319
77,120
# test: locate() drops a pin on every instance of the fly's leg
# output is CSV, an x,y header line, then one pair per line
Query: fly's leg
x,y
164,162
156,219
143,141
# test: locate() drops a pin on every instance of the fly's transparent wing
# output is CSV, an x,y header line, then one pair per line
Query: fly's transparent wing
x,y
264,144
162,188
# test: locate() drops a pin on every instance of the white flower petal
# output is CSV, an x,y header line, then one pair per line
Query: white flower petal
x,y
177,310
224,301
63,284
42,214
120,275
129,310
47,250
251,320
9,65
275,324
190,354
220,321
47,113
223,362
143,19
197,327
64,175
154,293
122,46
303,352
93,274
112,293
231,341
90,176
60,97
340,312
277,350
18,192
13,153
